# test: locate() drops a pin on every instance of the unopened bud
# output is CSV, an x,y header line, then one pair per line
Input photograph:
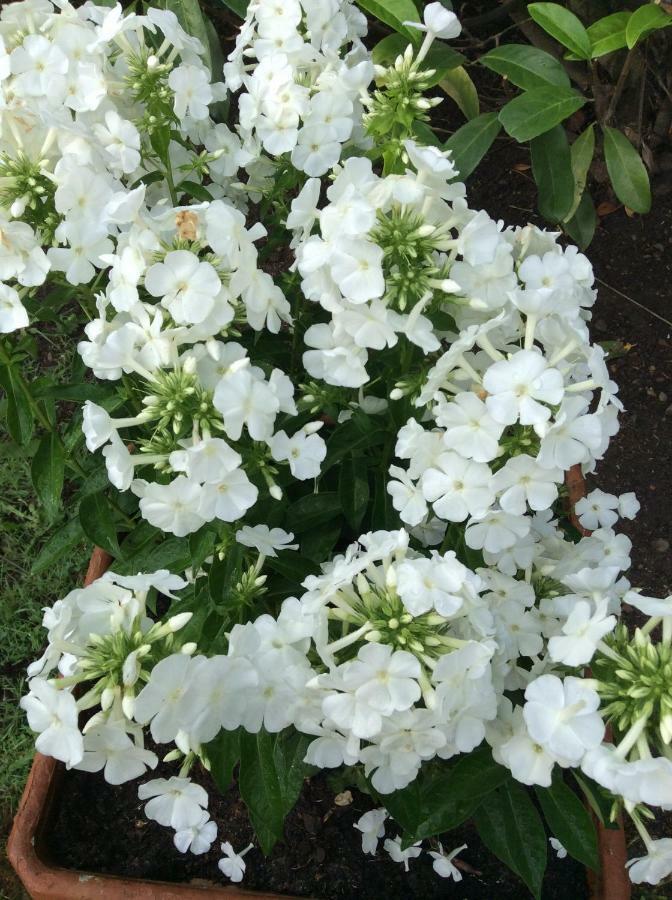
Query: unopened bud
x,y
178,621
189,649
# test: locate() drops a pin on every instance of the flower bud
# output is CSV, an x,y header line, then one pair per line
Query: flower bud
x,y
178,621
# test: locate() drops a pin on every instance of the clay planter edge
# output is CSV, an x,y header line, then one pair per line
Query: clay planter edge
x,y
45,881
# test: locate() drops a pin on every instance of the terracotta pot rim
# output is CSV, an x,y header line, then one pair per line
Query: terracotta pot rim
x,y
44,881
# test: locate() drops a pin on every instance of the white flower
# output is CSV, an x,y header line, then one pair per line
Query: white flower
x,y
435,583
121,141
53,713
176,802
384,679
13,314
393,847
458,487
357,269
526,758
39,67
469,429
110,748
187,286
562,716
206,461
438,22
496,531
266,540
518,388
173,507
597,510
656,865
228,499
304,452
192,90
443,862
246,399
407,497
522,482
372,826
560,851
233,865
581,633
197,838
161,700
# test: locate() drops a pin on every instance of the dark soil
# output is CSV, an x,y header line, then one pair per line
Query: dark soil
x,y
321,855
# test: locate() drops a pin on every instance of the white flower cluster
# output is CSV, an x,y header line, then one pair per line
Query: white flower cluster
x,y
115,177
303,68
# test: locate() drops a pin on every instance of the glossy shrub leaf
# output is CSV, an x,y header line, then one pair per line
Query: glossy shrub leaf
x,y
47,471
581,227
511,827
223,754
312,511
627,172
643,21
458,85
239,7
394,13
472,141
443,796
534,112
58,546
562,25
570,822
97,521
608,34
525,66
552,170
581,151
19,414
353,488
271,776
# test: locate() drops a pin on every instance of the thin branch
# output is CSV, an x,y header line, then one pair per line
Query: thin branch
x,y
633,301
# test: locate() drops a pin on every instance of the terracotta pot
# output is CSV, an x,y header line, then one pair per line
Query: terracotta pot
x,y
45,881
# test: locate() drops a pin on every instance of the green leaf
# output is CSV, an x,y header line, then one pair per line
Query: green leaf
x,y
239,7
19,412
47,471
472,141
271,776
77,393
570,822
425,134
562,25
394,13
58,546
581,151
159,138
440,55
600,800
317,545
224,573
223,754
194,190
627,171
552,170
97,521
608,34
191,18
353,489
526,67
313,511
643,21
201,545
459,86
443,796
510,826
581,227
534,112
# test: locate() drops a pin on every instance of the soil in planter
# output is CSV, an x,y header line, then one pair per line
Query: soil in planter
x,y
101,828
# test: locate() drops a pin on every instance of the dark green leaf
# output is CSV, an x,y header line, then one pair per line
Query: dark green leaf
x,y
191,18
316,545
97,521
472,141
353,488
644,20
201,544
581,151
628,173
534,112
440,57
425,134
581,227
511,827
394,13
600,800
171,553
271,776
58,546
313,511
570,822
77,393
443,796
525,66
552,170
223,754
48,470
160,140
239,7
194,190
458,85
19,412
224,574
562,25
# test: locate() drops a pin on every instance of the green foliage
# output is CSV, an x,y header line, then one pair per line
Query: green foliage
x,y
394,13
570,822
537,111
643,21
511,827
98,522
563,25
271,775
626,170
457,84
472,141
526,67
48,471
552,170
